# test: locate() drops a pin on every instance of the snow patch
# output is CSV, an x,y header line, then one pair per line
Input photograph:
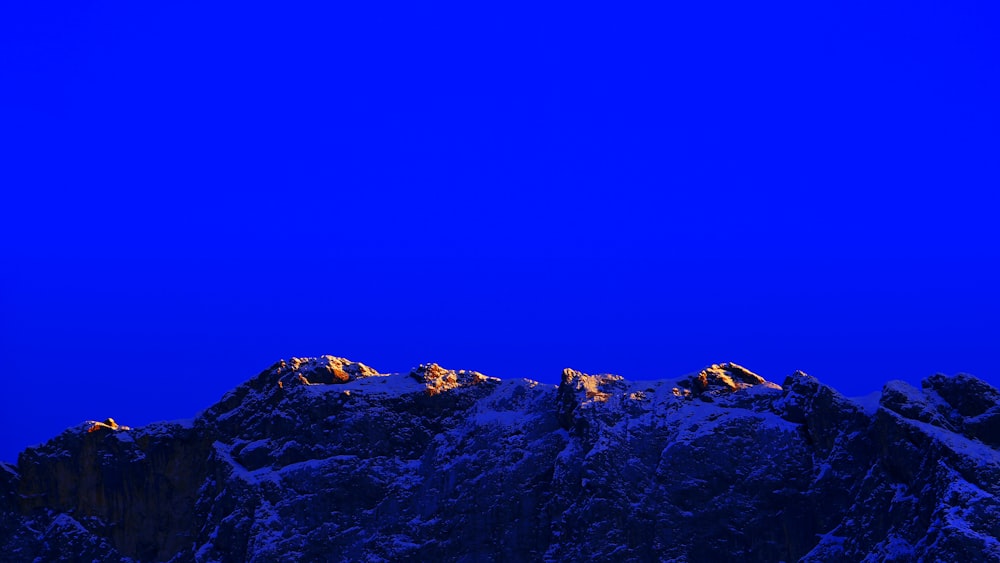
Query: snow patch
x,y
869,403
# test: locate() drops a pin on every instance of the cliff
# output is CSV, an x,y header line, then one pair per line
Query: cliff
x,y
326,459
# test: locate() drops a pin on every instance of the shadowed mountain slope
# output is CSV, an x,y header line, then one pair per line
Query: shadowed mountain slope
x,y
325,459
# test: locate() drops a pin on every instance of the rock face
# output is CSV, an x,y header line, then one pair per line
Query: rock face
x,y
327,460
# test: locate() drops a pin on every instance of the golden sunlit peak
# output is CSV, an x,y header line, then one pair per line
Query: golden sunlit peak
x,y
109,423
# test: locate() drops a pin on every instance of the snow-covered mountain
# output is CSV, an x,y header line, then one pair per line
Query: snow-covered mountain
x,y
325,459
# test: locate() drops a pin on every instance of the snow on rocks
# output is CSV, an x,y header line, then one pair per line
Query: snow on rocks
x,y
328,459
436,379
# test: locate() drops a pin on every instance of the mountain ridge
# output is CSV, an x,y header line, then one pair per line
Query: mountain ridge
x,y
325,459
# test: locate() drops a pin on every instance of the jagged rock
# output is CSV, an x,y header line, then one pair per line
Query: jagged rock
x,y
325,459
436,379
322,370
966,394
108,424
903,399
581,390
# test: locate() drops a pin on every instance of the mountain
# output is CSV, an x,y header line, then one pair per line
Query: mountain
x,y
325,459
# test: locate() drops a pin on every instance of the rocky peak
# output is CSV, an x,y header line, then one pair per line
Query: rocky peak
x,y
436,379
963,404
303,463
912,403
108,424
590,387
722,379
968,395
324,370
578,389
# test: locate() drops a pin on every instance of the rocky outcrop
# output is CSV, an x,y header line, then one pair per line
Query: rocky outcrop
x,y
132,490
325,459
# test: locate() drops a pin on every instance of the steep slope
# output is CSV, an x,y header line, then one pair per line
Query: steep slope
x,y
327,460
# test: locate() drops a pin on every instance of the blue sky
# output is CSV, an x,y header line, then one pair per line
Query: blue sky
x,y
193,192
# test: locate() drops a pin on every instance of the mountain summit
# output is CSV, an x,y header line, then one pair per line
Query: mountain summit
x,y
325,459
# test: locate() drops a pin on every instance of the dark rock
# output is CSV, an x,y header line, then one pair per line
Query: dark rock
x,y
327,460
966,394
901,398
985,427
